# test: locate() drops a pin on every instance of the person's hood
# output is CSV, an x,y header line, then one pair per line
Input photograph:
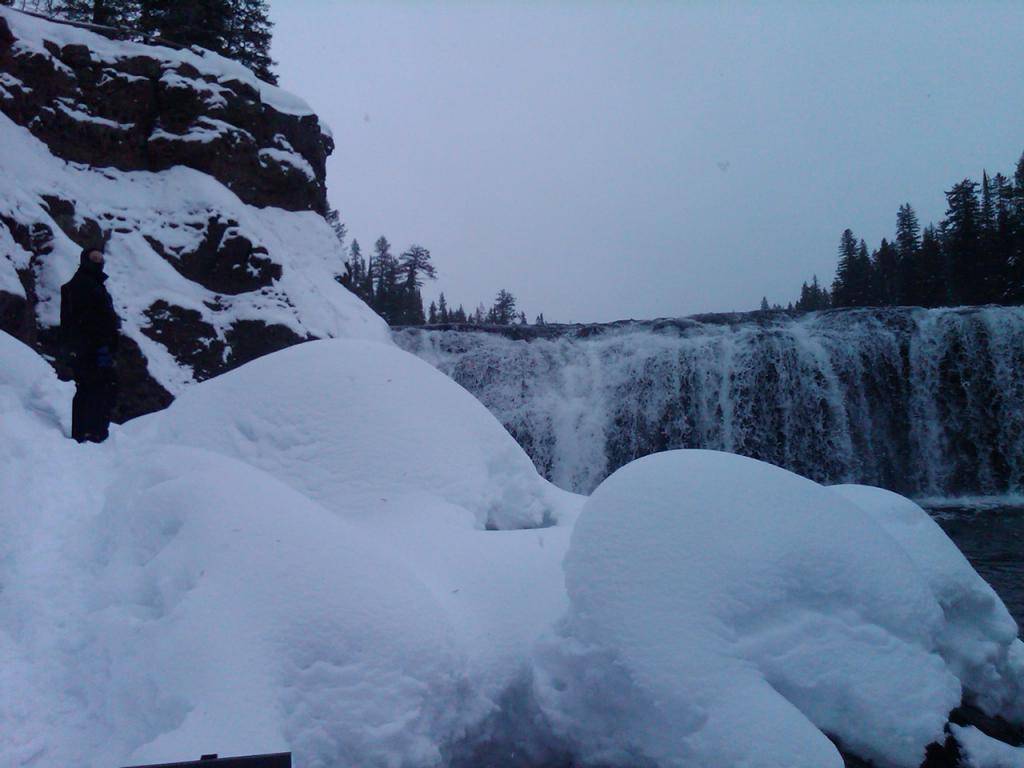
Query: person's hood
x,y
88,265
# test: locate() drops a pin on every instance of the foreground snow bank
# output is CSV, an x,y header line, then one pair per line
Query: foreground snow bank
x,y
292,557
280,561
738,612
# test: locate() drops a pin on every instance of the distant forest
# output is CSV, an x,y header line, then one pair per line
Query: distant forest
x,y
391,284
974,256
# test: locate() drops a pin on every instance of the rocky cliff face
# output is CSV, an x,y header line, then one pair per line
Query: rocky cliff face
x,y
149,108
205,185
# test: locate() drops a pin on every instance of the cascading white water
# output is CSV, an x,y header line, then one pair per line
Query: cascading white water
x,y
926,402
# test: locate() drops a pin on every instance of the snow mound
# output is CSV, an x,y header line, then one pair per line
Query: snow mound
x,y
979,637
291,557
350,423
344,651
740,612
161,600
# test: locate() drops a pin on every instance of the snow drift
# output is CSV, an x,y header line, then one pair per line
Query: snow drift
x,y
208,581
295,556
741,612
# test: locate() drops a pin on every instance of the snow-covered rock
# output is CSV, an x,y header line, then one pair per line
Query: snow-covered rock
x,y
980,751
137,106
214,258
978,637
728,612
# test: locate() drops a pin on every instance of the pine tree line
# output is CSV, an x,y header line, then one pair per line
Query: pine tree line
x,y
391,285
238,29
974,256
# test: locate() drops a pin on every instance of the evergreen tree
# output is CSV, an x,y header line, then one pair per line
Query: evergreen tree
x,y
991,274
363,274
503,311
885,274
459,316
104,12
522,318
415,264
852,286
864,279
248,36
1000,240
987,213
764,304
961,243
356,277
540,320
908,243
932,285
205,23
442,309
908,231
1015,261
339,227
812,297
385,291
432,314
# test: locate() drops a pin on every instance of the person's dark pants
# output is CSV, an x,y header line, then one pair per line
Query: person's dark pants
x,y
95,395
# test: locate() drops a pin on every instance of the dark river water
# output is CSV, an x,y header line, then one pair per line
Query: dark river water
x,y
992,538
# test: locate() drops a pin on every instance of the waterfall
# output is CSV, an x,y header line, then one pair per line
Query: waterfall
x,y
925,402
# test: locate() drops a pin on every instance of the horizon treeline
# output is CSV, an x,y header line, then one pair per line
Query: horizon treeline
x,y
390,285
238,29
974,256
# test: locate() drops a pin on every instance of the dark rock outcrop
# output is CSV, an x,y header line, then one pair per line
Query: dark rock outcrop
x,y
149,110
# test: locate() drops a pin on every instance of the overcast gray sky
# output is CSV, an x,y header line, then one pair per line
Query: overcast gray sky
x,y
613,160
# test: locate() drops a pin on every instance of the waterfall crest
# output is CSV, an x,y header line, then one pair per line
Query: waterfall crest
x,y
925,402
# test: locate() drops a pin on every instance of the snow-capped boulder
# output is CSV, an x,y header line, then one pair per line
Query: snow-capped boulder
x,y
339,420
736,613
978,637
205,186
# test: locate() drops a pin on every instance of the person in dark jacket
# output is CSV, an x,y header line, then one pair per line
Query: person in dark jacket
x,y
90,329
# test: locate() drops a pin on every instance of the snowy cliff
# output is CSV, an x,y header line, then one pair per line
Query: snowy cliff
x,y
927,402
205,185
